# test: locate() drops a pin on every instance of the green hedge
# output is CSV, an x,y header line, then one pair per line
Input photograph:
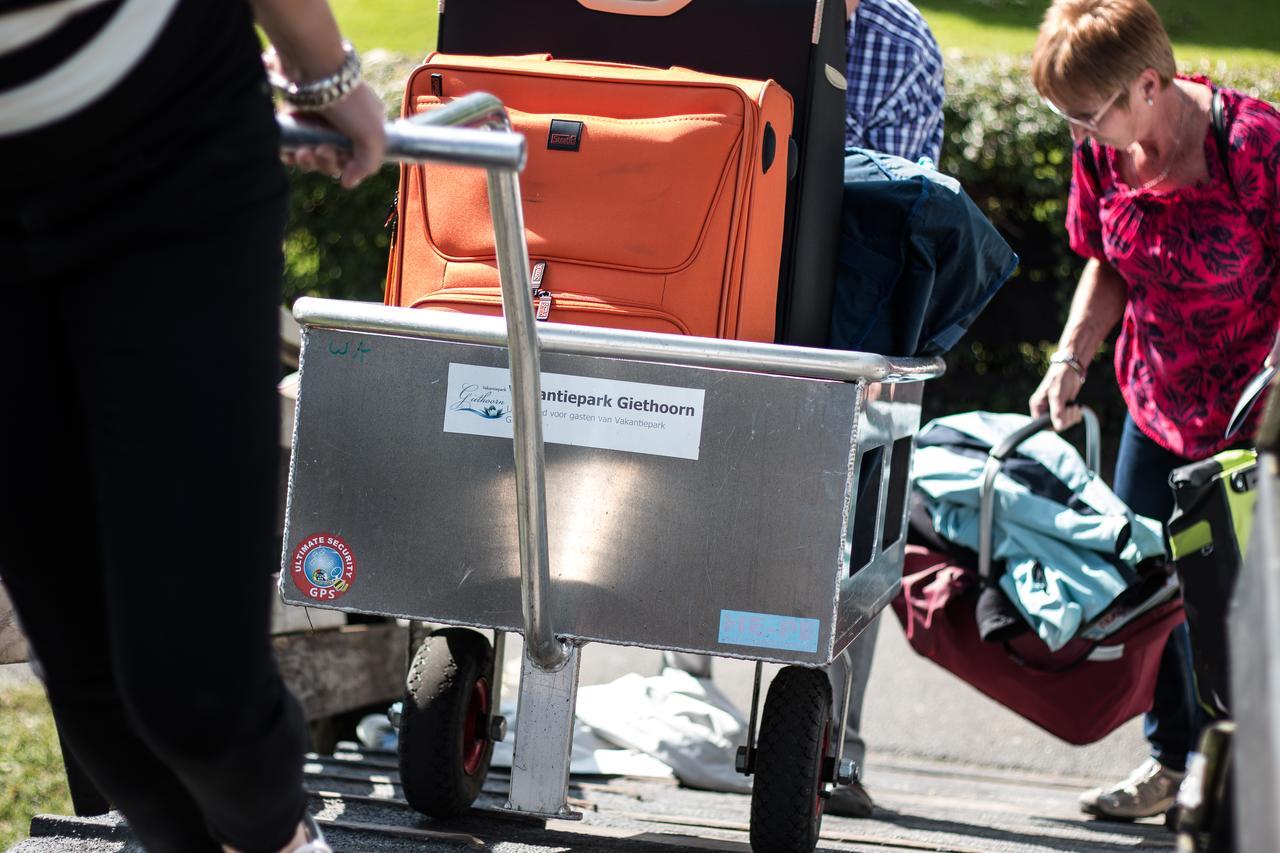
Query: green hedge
x,y
1014,158
1008,150
336,243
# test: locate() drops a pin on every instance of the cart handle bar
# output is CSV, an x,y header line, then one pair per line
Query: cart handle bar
x,y
686,350
436,136
433,136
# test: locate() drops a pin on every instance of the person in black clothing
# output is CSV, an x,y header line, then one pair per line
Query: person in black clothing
x,y
142,207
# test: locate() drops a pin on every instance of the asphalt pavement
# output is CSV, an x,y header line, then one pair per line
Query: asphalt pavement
x,y
950,770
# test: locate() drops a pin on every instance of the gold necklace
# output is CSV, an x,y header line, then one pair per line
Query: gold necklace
x,y
1177,146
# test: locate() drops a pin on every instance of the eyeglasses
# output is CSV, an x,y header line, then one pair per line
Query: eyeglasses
x,y
1091,122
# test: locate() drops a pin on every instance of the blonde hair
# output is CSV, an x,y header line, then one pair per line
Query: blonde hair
x,y
1090,49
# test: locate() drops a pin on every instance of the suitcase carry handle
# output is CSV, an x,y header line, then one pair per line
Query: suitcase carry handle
x,y
646,8
987,497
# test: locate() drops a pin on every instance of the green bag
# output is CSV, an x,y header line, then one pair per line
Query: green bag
x,y
1208,533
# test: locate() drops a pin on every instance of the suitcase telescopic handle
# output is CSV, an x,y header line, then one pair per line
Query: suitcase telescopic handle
x,y
647,8
1001,452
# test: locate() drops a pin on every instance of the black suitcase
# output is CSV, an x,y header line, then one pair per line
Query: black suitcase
x,y
798,43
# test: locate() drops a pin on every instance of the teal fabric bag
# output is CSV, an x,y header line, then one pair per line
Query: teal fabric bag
x,y
1070,546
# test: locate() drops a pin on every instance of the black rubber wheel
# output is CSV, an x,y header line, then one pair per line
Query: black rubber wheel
x,y
795,735
444,744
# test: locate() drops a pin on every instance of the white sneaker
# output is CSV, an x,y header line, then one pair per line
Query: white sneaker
x,y
1150,790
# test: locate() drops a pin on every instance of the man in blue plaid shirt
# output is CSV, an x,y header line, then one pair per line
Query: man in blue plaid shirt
x,y
895,80
895,106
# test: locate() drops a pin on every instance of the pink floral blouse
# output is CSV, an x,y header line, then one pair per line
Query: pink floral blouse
x,y
1202,267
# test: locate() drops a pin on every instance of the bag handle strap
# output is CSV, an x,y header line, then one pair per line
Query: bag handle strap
x,y
1001,452
1109,653
1219,120
1221,135
1090,161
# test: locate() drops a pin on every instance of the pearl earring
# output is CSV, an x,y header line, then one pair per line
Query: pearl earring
x,y
1150,102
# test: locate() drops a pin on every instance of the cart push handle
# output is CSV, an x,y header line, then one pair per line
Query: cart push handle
x,y
449,135
1001,452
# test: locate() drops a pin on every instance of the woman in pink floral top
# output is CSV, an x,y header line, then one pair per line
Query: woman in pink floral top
x,y
1183,248
1198,259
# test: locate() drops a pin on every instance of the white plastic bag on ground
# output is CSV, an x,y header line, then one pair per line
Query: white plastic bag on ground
x,y
652,726
591,754
684,722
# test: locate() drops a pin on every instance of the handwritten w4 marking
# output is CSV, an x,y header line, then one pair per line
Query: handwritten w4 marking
x,y
345,350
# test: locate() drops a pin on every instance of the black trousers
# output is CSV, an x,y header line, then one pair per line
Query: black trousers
x,y
1174,723
138,453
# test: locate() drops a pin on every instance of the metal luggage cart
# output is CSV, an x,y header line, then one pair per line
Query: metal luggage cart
x,y
721,497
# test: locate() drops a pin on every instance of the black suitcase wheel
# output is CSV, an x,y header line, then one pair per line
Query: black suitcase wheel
x,y
795,734
444,743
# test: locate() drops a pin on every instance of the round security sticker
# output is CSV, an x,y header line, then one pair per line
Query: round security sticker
x,y
323,567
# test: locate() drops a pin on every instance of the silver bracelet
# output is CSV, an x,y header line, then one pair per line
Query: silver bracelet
x,y
322,93
1067,357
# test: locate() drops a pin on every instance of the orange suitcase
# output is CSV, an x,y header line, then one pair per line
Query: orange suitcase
x,y
653,198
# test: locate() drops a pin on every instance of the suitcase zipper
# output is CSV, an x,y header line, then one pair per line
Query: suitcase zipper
x,y
543,311
542,308
392,221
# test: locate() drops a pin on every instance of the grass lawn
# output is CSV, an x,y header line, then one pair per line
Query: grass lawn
x,y
1239,32
31,778
402,26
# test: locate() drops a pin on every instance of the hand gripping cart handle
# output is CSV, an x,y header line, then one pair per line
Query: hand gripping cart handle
x,y
710,496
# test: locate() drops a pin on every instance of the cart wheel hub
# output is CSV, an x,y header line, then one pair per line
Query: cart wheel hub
x,y
475,729
820,801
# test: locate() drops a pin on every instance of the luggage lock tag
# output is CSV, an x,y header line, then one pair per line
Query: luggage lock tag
x,y
543,296
544,306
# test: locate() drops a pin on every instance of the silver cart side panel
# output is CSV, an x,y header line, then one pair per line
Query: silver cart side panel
x,y
742,552
1254,624
877,525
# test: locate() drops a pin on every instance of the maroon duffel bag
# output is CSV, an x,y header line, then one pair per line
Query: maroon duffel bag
x,y
1080,693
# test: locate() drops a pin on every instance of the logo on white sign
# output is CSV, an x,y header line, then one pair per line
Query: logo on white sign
x,y
636,417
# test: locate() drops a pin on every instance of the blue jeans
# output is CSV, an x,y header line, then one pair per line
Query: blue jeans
x,y
1142,481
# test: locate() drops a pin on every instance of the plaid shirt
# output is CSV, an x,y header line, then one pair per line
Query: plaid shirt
x,y
895,82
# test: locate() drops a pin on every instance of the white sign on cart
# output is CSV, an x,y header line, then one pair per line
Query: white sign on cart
x,y
661,420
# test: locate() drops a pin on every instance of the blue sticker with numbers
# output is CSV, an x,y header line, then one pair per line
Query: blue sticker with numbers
x,y
768,631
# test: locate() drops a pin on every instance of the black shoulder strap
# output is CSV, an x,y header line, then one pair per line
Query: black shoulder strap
x,y
1090,161
1220,134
